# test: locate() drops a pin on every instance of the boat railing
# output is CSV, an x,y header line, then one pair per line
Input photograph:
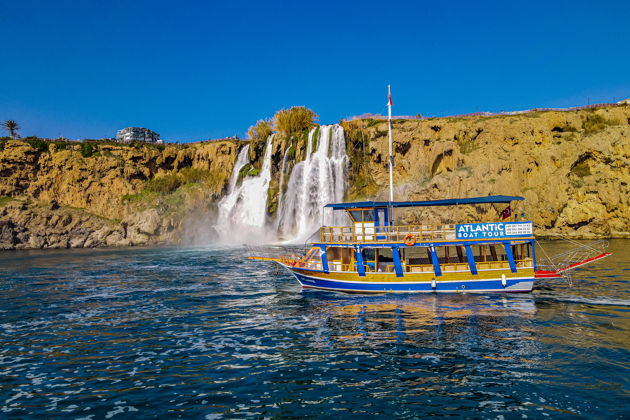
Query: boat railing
x,y
362,233
371,267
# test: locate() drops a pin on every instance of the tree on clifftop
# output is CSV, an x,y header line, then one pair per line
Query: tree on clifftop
x,y
260,131
295,120
12,127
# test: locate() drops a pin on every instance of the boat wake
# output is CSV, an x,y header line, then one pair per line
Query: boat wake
x,y
580,299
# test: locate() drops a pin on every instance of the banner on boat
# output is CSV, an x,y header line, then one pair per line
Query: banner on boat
x,y
493,230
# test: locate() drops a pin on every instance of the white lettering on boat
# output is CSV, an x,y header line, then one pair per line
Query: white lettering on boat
x,y
493,230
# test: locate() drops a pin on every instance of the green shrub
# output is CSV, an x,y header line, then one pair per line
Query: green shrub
x,y
127,198
61,145
467,146
37,143
261,131
582,169
163,184
5,200
87,149
2,144
316,140
194,175
295,120
291,153
595,123
244,171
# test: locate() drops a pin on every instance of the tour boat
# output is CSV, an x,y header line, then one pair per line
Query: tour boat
x,y
374,254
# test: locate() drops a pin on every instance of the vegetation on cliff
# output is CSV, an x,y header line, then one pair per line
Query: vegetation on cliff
x,y
12,127
260,131
295,120
113,181
572,166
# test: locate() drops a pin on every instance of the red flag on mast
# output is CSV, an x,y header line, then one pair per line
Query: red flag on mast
x,y
506,213
389,97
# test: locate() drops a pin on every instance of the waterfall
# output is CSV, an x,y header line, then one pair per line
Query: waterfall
x,y
243,211
281,186
241,161
318,180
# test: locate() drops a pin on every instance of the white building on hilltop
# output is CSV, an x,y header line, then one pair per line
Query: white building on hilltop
x,y
129,134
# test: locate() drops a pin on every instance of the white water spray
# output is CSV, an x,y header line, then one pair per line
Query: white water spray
x,y
243,211
318,180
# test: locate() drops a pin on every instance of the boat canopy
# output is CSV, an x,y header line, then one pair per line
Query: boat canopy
x,y
449,202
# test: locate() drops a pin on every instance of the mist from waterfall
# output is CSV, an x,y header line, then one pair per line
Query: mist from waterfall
x,y
318,180
243,211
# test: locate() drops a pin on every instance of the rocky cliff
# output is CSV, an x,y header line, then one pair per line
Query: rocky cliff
x,y
572,166
58,194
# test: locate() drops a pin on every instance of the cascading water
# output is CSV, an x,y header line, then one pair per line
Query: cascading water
x,y
281,186
318,180
241,161
243,211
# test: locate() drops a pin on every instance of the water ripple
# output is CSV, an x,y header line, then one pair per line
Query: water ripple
x,y
201,333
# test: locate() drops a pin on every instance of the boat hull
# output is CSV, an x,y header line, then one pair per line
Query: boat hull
x,y
328,281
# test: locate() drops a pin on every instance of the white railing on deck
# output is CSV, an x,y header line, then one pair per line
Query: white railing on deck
x,y
349,234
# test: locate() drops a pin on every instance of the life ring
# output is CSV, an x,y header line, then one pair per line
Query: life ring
x,y
410,239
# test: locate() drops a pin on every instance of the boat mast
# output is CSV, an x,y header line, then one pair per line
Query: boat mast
x,y
391,154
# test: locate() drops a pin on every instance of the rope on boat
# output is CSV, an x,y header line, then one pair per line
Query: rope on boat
x,y
581,252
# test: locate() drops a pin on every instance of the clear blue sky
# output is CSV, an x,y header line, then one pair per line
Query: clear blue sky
x,y
194,70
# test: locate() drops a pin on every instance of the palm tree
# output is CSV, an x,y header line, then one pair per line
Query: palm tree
x,y
12,127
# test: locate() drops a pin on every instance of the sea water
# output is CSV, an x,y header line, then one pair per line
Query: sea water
x,y
203,333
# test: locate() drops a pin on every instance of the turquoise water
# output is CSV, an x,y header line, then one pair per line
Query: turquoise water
x,y
201,333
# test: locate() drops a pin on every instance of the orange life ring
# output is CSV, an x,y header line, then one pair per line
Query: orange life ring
x,y
410,239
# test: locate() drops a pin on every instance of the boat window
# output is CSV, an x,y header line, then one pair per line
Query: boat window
x,y
385,254
479,251
339,258
522,251
356,215
450,254
442,254
381,217
516,251
370,257
379,259
417,255
461,254
493,256
369,254
312,255
527,250
362,215
334,253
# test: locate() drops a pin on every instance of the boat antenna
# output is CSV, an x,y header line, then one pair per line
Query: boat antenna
x,y
391,153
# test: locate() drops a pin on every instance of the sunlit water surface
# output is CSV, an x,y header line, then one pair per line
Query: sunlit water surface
x,y
203,333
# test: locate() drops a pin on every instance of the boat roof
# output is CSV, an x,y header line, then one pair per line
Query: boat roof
x,y
506,199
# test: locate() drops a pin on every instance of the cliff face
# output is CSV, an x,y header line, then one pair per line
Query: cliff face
x,y
118,195
572,167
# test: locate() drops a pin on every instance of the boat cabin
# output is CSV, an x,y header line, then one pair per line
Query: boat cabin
x,y
373,243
